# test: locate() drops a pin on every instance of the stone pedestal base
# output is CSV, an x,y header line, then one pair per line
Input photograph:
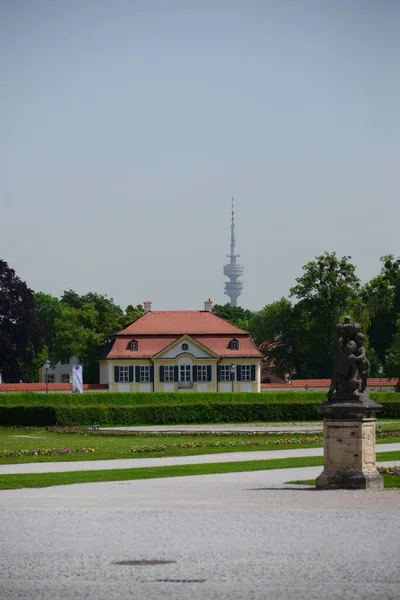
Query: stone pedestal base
x,y
349,446
349,480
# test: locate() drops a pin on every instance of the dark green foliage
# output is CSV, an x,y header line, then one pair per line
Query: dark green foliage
x,y
221,408
241,317
21,337
127,399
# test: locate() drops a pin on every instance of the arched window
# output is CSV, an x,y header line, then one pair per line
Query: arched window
x,y
133,345
234,345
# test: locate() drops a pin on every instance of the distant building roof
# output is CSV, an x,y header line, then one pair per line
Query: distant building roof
x,y
179,322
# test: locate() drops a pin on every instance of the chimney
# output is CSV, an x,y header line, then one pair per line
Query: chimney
x,y
147,306
208,305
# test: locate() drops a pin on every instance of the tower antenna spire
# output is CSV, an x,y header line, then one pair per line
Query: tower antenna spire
x,y
233,270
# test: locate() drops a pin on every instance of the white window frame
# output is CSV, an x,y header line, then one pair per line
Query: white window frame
x,y
185,373
133,346
225,373
65,377
51,378
169,374
202,373
246,373
123,374
144,373
234,345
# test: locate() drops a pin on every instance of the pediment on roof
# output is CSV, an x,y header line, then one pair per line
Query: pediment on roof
x,y
186,345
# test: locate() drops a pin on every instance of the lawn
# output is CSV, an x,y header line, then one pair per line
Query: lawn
x,y
79,445
50,479
41,445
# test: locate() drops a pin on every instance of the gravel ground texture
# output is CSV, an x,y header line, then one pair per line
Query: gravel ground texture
x,y
244,536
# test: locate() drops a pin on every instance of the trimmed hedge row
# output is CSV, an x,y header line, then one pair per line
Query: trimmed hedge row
x,y
152,399
34,415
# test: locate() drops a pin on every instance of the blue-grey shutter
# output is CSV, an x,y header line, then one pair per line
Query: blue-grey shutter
x,y
218,373
238,372
116,373
194,373
208,372
161,374
151,372
137,374
176,375
253,372
131,374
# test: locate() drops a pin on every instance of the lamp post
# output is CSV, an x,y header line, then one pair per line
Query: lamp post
x,y
380,376
46,371
233,371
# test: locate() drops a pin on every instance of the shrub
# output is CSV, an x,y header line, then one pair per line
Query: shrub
x,y
187,398
150,414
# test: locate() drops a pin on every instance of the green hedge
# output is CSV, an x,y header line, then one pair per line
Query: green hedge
x,y
152,399
167,414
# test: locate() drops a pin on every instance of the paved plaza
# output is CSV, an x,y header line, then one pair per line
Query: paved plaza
x,y
241,536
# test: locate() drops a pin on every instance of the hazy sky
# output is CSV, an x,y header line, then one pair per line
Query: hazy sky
x,y
126,127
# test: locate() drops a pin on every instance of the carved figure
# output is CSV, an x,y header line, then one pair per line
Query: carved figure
x,y
351,364
363,363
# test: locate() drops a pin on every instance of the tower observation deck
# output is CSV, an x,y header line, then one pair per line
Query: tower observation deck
x,y
233,270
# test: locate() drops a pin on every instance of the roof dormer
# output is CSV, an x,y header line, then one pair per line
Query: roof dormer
x,y
234,344
133,346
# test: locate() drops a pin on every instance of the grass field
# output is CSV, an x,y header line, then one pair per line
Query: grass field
x,y
41,445
51,479
92,446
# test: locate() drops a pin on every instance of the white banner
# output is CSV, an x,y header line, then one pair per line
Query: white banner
x,y
77,379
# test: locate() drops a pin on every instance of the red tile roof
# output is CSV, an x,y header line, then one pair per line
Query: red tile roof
x,y
220,345
179,322
148,346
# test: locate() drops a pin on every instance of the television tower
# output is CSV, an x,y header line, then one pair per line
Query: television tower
x,y
233,270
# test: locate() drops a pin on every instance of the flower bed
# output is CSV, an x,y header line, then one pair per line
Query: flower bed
x,y
389,470
43,452
221,444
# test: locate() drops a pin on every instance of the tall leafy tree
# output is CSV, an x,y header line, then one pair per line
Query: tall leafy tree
x,y
274,330
132,314
92,318
241,317
382,298
21,338
392,363
328,289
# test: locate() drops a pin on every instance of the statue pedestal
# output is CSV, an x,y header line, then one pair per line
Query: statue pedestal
x,y
349,444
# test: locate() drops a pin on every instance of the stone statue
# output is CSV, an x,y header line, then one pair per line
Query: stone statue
x,y
349,417
352,367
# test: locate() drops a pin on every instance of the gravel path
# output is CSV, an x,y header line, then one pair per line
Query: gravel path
x,y
309,427
132,463
243,536
228,428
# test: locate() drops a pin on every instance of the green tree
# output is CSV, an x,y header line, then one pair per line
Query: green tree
x,y
274,331
328,289
92,318
78,326
381,296
132,314
392,363
241,317
21,337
